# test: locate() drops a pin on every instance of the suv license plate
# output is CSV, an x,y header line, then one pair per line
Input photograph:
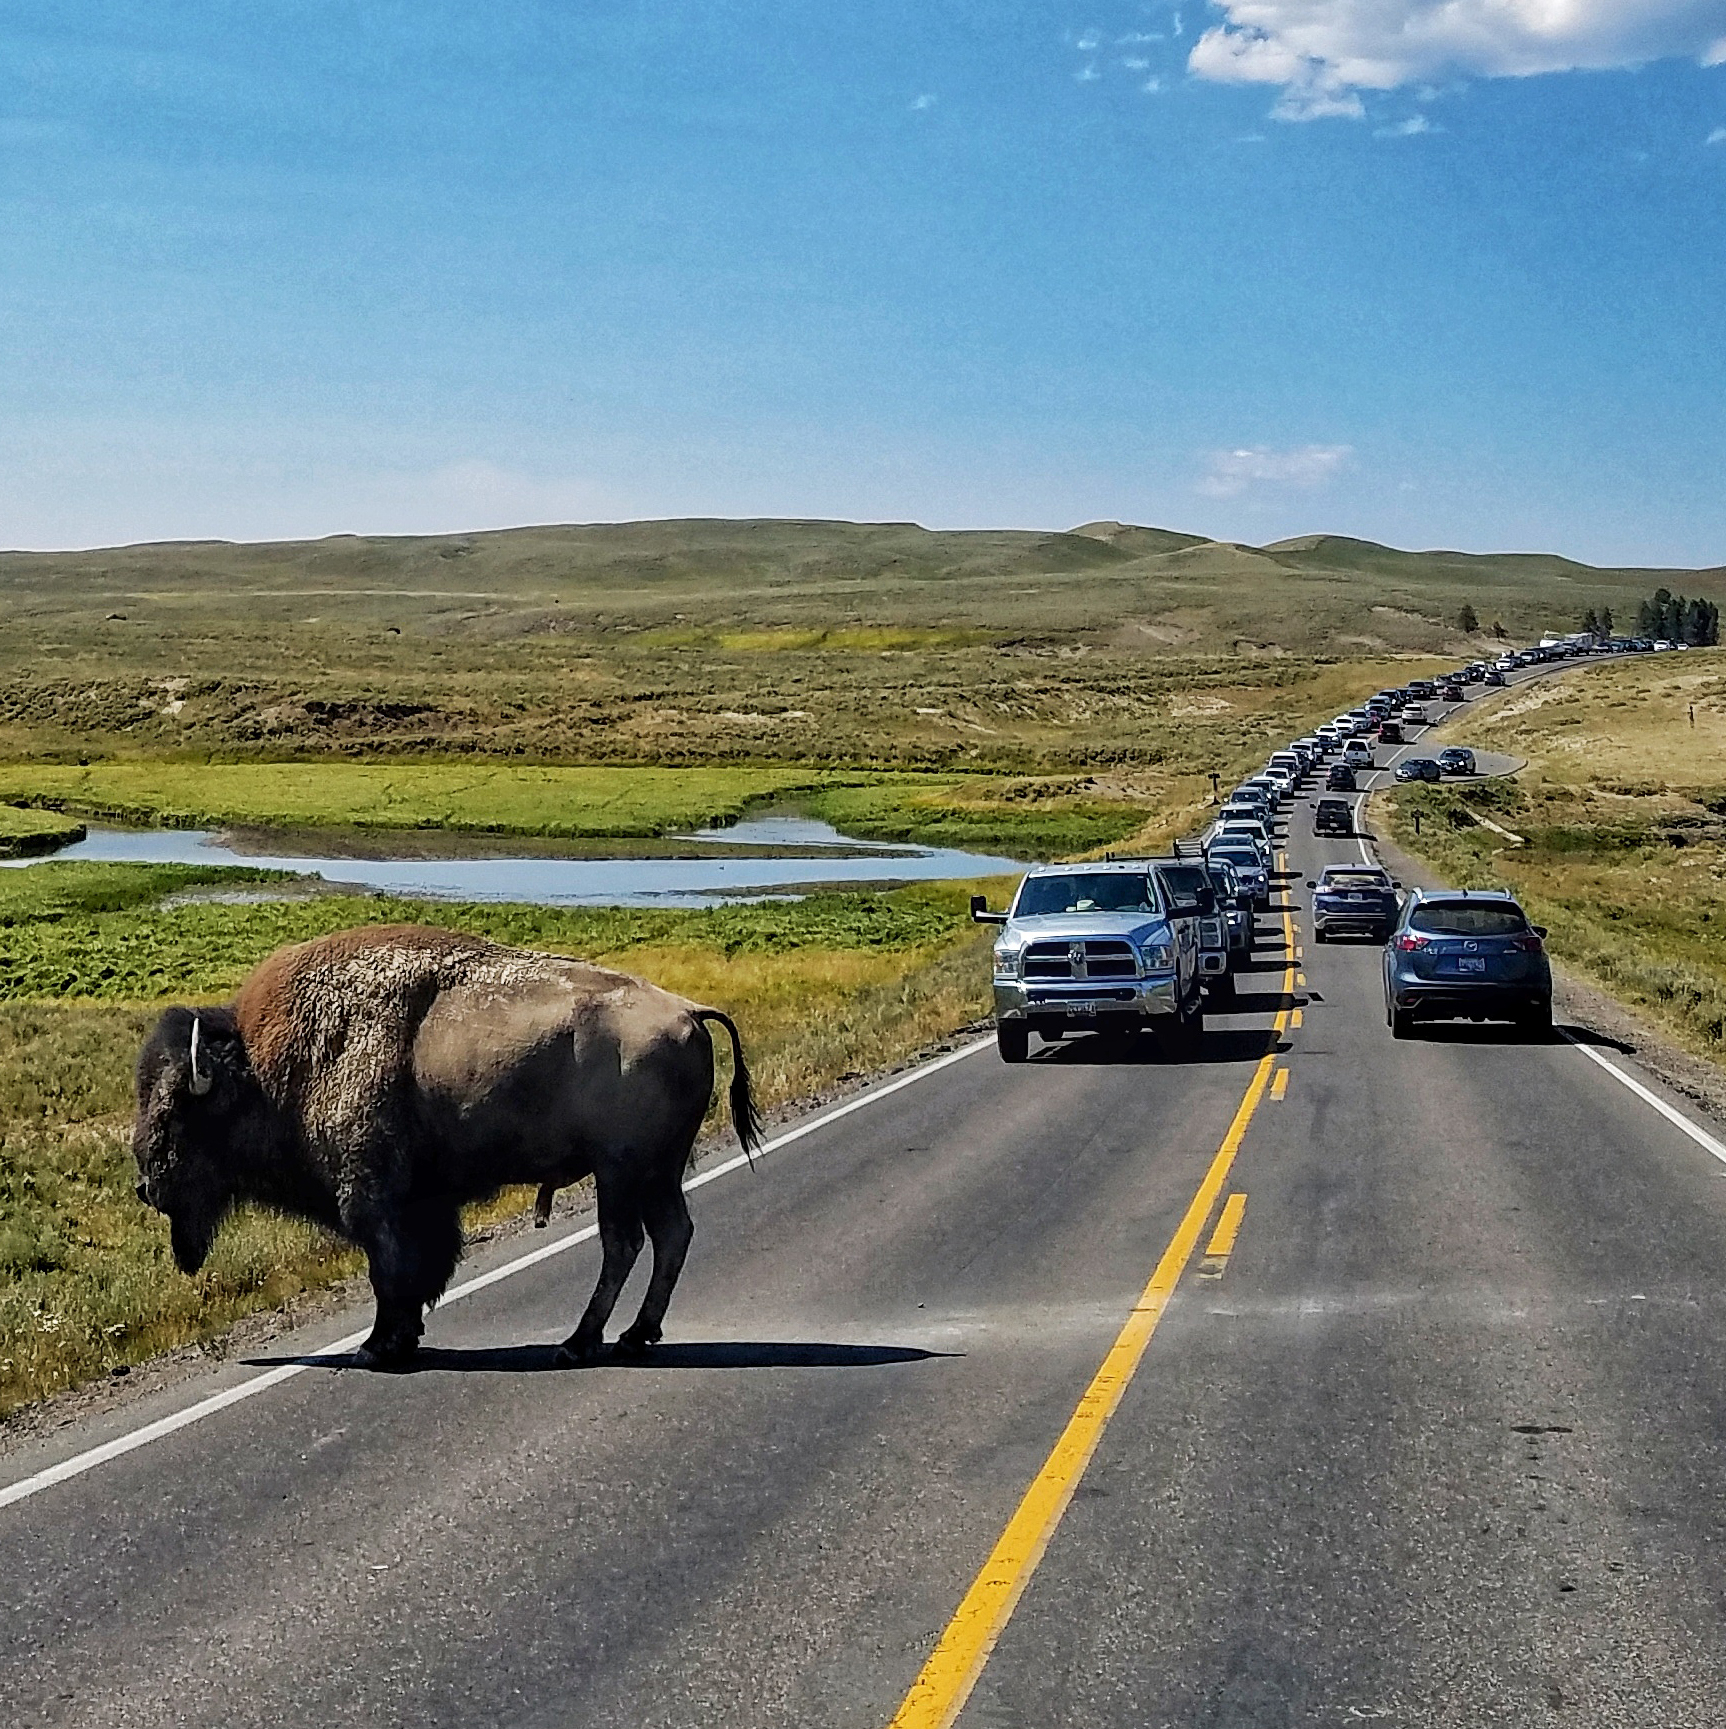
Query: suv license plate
x,y
1471,964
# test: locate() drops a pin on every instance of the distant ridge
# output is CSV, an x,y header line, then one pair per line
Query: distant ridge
x,y
1130,537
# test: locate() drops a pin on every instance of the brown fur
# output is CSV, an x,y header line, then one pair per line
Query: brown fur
x,y
405,1070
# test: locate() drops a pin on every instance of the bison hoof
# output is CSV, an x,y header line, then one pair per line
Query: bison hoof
x,y
386,1353
577,1353
636,1342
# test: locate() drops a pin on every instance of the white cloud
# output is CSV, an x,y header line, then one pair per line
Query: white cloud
x,y
1324,52
1134,38
1087,44
1136,63
1088,74
1152,87
1232,472
924,101
1718,135
1410,128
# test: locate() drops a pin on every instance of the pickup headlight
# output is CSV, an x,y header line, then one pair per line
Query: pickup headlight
x,y
1007,962
1157,957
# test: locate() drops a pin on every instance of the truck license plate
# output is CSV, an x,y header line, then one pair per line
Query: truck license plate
x,y
1083,1009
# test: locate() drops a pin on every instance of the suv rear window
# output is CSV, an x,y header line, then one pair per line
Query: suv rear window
x,y
1467,919
1086,892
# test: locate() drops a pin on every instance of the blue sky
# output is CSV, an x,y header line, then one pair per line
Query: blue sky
x,y
297,267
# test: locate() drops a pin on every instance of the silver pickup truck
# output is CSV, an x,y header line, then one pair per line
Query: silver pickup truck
x,y
1113,946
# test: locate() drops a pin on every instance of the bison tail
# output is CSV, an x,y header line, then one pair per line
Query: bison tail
x,y
745,1117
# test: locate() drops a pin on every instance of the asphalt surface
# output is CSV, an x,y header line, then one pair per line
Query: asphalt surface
x,y
1439,1443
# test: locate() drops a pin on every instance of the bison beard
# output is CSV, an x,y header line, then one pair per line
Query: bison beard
x,y
377,1080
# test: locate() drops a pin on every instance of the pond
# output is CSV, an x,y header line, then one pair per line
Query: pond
x,y
823,859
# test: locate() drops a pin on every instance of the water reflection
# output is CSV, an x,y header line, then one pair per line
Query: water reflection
x,y
667,882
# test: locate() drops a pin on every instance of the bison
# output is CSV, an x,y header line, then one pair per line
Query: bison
x,y
376,1080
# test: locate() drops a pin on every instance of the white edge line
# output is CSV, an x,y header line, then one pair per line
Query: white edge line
x,y
1670,1112
79,1463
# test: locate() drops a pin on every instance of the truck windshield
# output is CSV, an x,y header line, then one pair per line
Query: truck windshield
x,y
1086,892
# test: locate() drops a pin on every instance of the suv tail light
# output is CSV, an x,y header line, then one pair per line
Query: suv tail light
x,y
1528,943
1408,942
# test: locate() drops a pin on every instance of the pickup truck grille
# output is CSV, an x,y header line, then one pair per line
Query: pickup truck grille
x,y
1096,958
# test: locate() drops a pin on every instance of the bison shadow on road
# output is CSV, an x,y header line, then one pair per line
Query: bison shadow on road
x,y
705,1354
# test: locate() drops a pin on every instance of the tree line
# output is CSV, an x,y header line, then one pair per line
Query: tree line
x,y
1671,618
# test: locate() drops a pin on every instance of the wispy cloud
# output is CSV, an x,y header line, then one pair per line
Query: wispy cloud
x,y
1136,63
1136,38
1088,74
1410,128
924,101
1089,42
1718,135
1152,87
1323,53
1229,473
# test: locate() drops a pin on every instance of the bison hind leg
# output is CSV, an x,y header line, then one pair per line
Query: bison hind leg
x,y
671,1229
542,1203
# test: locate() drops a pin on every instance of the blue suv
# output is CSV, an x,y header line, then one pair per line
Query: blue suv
x,y
1460,953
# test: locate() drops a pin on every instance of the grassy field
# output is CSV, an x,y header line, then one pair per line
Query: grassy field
x,y
1171,728
1620,826
826,987
837,645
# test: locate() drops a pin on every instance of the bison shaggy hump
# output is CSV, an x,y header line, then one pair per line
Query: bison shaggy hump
x,y
376,1080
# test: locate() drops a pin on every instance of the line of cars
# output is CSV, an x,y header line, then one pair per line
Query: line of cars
x,y
1446,955
1122,945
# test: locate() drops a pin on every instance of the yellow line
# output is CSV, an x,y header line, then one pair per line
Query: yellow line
x,y
943,1685
1222,1243
1280,1085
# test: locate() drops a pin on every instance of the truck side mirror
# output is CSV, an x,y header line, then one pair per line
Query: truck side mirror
x,y
981,915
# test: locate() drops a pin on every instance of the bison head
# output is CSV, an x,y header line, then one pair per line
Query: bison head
x,y
195,1092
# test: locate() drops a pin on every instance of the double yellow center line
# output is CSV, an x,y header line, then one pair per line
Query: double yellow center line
x,y
939,1693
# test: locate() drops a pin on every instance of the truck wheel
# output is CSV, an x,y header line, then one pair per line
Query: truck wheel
x,y
1401,1023
1223,986
1013,1041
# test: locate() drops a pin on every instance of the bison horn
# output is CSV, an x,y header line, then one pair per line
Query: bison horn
x,y
202,1079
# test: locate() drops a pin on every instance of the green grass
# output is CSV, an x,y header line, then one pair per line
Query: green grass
x,y
1621,815
25,833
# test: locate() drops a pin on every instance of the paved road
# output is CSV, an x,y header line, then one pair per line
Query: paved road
x,y
1438,1443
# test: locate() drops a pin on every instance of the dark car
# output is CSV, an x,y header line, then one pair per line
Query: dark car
x,y
1236,900
1353,898
1340,778
1458,759
1492,676
1333,816
1419,768
1452,693
1390,732
1466,953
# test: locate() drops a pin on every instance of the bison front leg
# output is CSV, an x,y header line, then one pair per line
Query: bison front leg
x,y
412,1251
671,1228
620,1235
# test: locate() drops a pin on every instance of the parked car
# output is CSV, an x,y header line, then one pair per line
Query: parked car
x,y
1340,778
1419,768
1472,953
1333,816
1096,945
1353,898
1458,759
